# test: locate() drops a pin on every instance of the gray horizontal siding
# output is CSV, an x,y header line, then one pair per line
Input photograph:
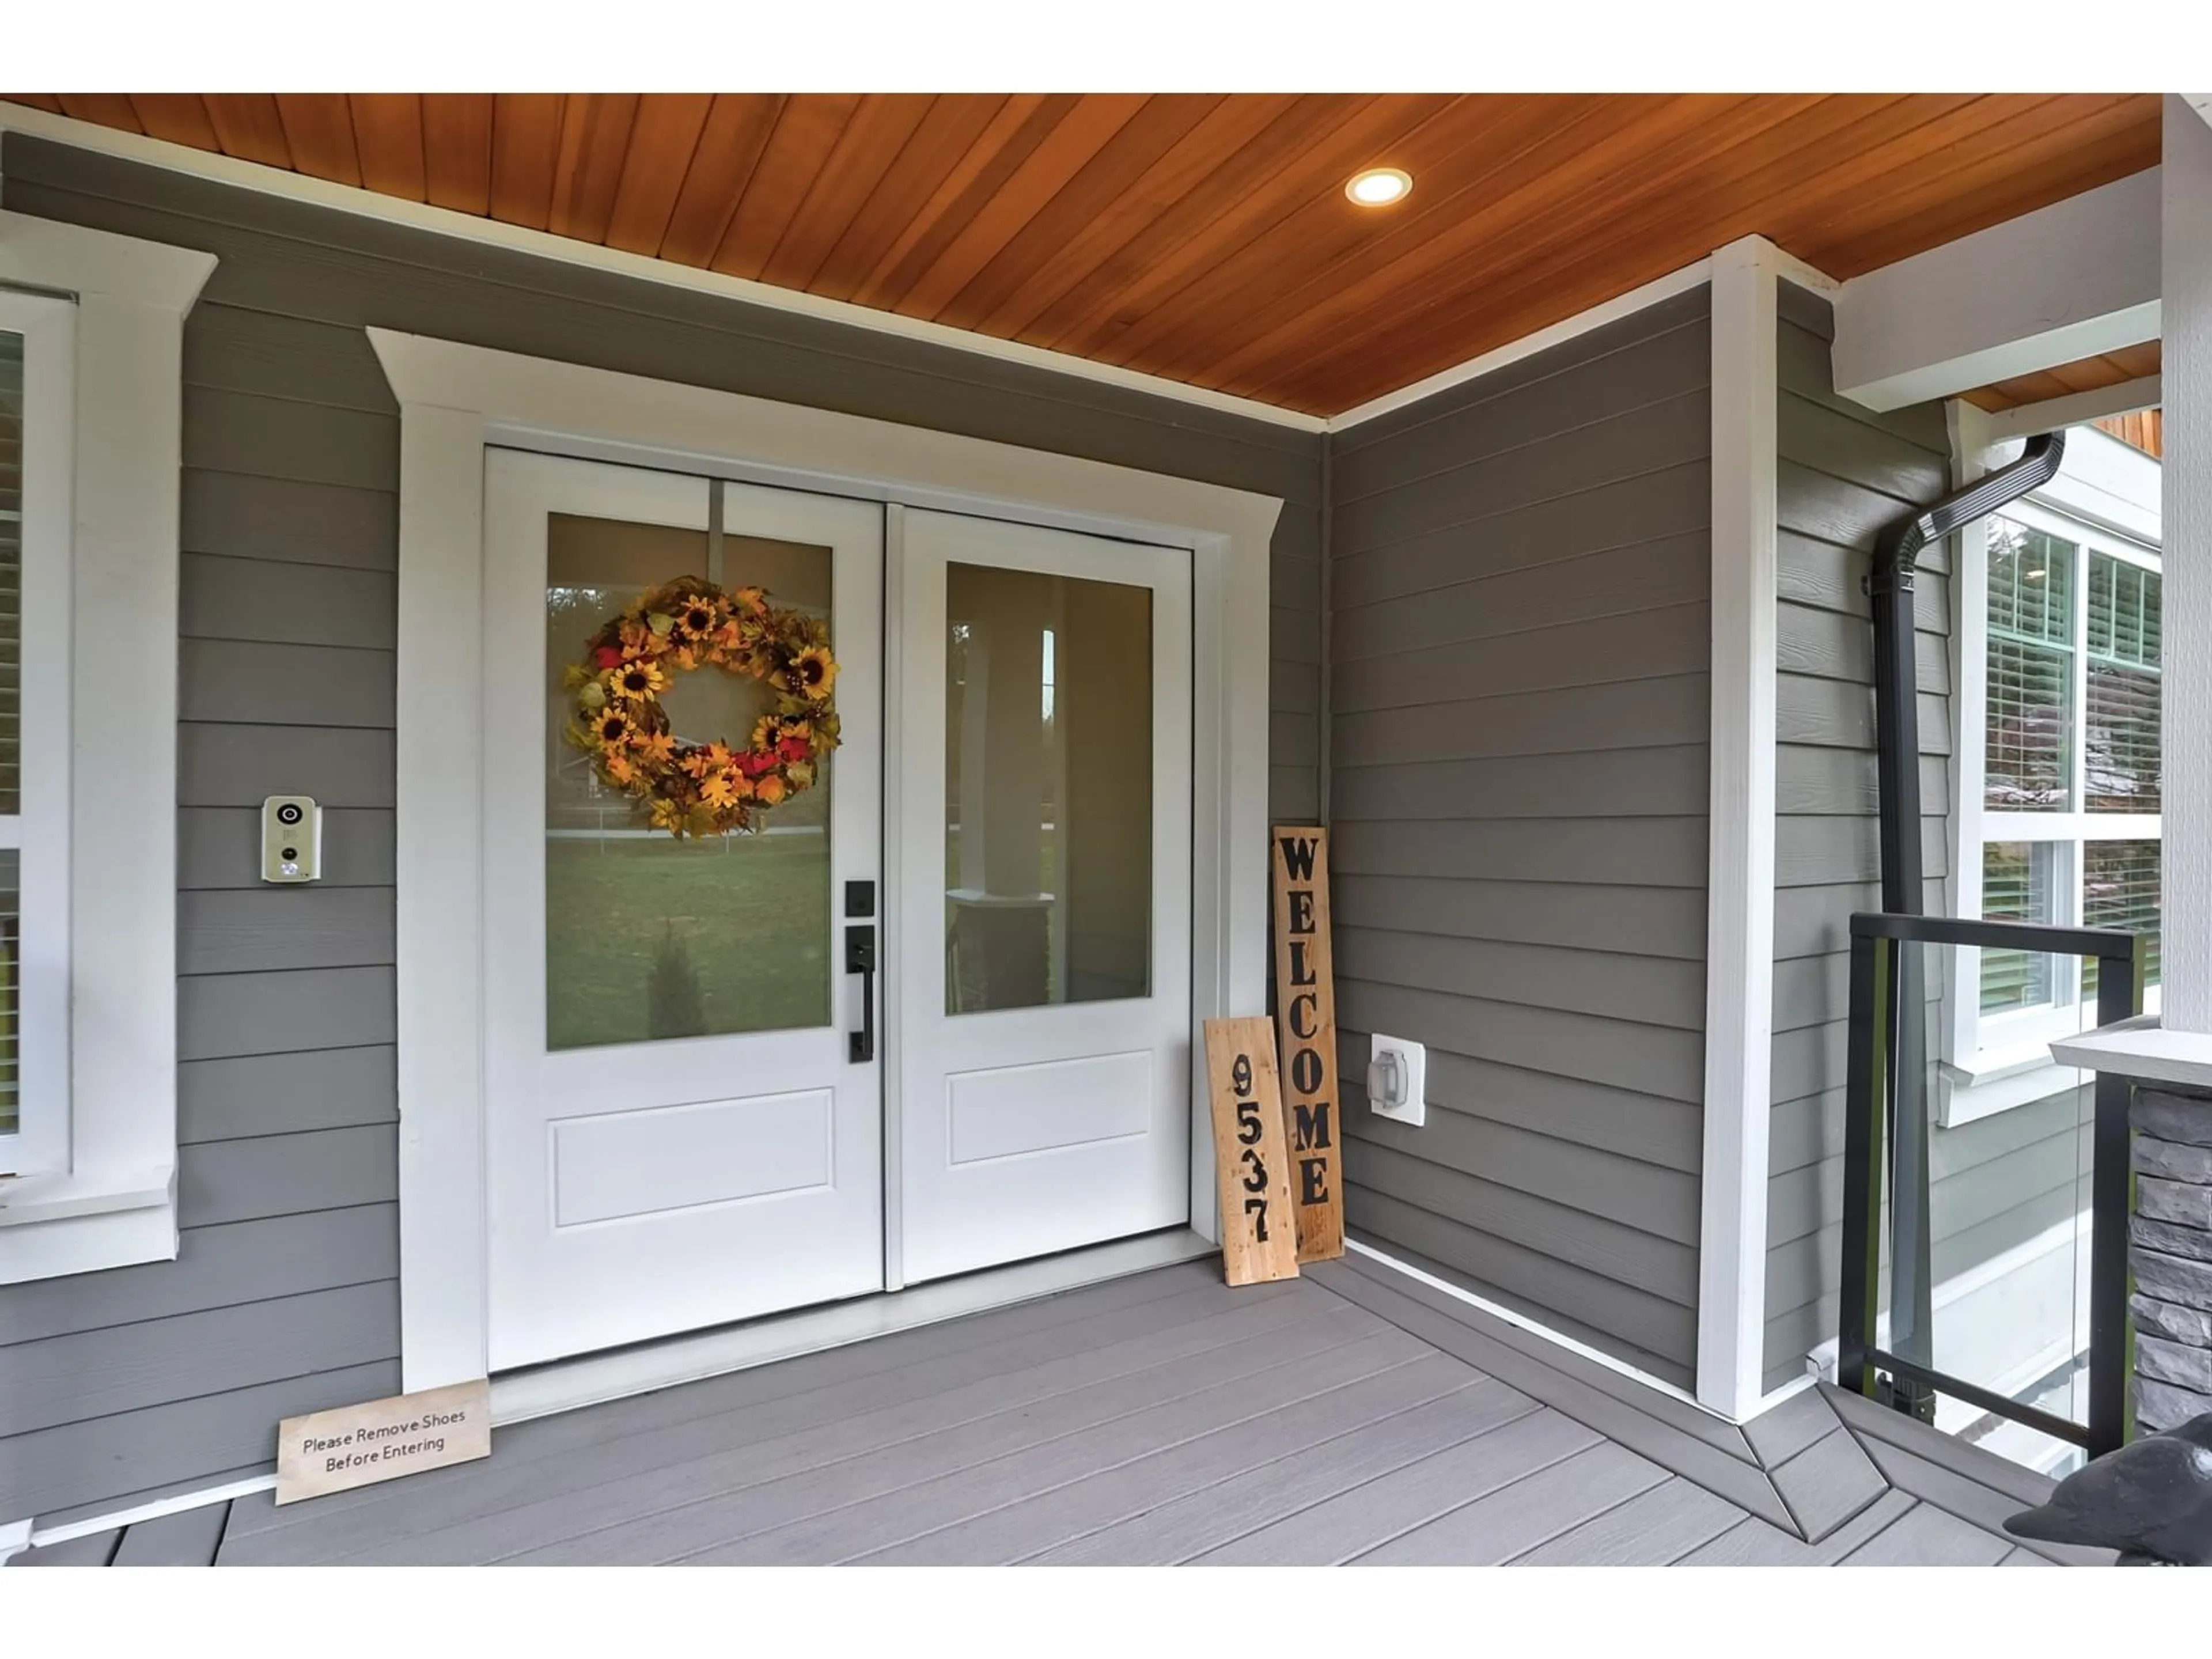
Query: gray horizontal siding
x,y
1520,711
284,1296
1844,475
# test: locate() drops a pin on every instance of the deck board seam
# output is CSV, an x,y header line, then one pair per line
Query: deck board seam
x,y
1135,1457
1753,1466
1935,1502
1358,1336
374,1498
1382,1474
1495,1492
1666,1474
1475,1376
1472,1378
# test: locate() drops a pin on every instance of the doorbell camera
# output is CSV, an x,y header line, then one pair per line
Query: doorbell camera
x,y
291,839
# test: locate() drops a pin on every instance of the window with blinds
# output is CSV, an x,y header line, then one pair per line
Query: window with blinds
x,y
2072,767
11,701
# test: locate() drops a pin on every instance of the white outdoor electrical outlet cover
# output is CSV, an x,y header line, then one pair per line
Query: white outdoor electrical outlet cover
x,y
1410,1105
291,839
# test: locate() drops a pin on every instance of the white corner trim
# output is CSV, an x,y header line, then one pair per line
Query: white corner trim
x,y
454,399
445,222
2067,282
2186,214
1626,305
2075,409
1740,891
2142,1048
2201,102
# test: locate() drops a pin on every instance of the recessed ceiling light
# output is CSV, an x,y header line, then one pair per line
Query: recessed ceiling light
x,y
1379,186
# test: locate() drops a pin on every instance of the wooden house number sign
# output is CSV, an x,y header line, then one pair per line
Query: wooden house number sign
x,y
1305,1014
1259,1238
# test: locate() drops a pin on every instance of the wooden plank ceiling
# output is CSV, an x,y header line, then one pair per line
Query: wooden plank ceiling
x,y
2087,374
1202,237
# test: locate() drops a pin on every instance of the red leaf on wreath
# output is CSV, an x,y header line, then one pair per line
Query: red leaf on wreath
x,y
753,765
608,656
793,749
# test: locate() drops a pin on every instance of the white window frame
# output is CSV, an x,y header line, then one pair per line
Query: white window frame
x,y
2105,501
39,831
93,1181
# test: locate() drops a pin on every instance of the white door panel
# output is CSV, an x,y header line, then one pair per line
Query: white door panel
x,y
678,1135
1044,991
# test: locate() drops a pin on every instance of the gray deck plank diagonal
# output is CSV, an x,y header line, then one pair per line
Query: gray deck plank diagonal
x,y
1354,1415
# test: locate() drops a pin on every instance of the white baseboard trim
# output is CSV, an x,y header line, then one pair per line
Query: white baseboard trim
x,y
36,1537
1580,1350
568,1384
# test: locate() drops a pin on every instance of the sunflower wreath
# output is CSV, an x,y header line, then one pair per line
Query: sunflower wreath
x,y
704,789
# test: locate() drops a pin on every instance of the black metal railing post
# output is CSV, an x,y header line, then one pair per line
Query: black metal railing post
x,y
1866,1069
2111,1201
1874,1153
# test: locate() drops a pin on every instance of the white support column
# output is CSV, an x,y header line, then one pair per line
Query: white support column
x,y
1740,891
2186,209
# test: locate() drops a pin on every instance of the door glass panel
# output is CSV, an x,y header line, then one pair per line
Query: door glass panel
x,y
1049,789
648,936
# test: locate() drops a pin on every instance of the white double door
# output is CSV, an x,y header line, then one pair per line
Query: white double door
x,y
847,1052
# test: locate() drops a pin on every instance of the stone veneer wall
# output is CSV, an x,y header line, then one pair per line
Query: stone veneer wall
x,y
2172,1255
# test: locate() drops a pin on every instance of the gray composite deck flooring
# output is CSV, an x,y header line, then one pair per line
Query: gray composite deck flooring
x,y
1355,1415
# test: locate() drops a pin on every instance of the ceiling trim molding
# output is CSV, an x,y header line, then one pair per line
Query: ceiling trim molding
x,y
1782,263
1624,305
445,221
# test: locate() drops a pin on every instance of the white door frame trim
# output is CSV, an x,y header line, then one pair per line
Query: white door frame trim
x,y
455,399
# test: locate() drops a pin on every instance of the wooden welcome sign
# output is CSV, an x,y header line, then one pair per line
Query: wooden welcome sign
x,y
1259,1240
1305,1012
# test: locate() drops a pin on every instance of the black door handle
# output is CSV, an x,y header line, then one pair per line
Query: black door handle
x,y
860,958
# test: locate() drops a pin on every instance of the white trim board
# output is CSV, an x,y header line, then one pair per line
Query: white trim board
x,y
1740,887
2064,282
1537,1328
39,1540
2076,409
454,399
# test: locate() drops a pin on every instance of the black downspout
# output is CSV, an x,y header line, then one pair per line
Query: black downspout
x,y
1897,769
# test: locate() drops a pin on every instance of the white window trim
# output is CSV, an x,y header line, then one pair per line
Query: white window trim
x,y
454,399
2106,500
102,1192
40,830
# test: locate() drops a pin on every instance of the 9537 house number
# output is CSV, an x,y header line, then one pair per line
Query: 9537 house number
x,y
1259,1239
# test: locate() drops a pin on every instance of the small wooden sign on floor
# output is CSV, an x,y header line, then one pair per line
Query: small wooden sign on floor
x,y
359,1445
1259,1239
1305,1012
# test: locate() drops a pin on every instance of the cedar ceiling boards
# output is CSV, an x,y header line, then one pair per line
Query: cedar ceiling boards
x,y
1199,237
